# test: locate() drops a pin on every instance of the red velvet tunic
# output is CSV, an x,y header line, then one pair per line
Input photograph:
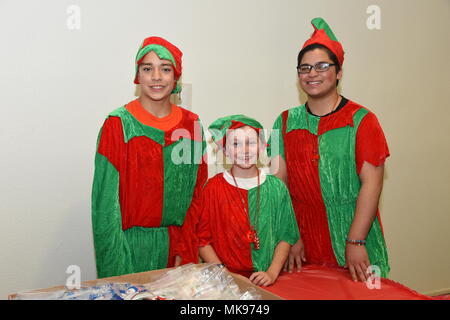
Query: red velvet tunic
x,y
141,196
224,224
323,179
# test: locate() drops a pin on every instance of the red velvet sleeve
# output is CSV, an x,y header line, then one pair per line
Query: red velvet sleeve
x,y
203,231
111,142
371,145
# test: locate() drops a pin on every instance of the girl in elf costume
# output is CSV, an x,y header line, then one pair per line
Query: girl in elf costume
x,y
331,152
142,190
247,221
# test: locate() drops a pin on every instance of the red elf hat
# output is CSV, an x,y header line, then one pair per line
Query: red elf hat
x,y
324,36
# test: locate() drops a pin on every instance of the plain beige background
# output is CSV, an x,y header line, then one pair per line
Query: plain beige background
x,y
58,84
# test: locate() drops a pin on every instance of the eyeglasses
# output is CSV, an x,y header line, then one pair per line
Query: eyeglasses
x,y
319,67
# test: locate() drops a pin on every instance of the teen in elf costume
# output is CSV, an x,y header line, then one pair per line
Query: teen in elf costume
x,y
148,170
246,220
331,152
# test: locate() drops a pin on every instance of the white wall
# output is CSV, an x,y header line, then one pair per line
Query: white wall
x,y
57,85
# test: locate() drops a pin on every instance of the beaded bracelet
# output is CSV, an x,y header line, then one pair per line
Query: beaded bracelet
x,y
356,242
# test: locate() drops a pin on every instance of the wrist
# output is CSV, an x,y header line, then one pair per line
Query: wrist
x,y
355,242
273,273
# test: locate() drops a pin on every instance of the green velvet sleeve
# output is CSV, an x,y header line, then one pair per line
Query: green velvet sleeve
x,y
276,221
287,225
112,252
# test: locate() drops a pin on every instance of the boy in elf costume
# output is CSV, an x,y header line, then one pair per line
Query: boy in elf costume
x,y
331,152
148,170
246,220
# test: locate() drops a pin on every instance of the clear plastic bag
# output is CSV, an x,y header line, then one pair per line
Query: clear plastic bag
x,y
103,291
198,282
188,282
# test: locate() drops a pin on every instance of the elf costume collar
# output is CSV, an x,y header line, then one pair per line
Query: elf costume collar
x,y
245,183
165,50
324,36
296,118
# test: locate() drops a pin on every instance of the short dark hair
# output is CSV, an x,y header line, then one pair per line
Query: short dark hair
x,y
314,46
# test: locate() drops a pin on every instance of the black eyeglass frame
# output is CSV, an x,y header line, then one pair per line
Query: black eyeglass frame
x,y
310,67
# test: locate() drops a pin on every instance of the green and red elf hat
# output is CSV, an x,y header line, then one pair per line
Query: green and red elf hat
x,y
220,127
324,36
165,50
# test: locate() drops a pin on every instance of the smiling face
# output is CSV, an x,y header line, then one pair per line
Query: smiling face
x,y
242,147
157,77
318,84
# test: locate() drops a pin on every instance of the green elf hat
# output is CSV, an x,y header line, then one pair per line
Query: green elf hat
x,y
165,50
220,127
324,36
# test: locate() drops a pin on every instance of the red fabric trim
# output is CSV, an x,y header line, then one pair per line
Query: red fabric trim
x,y
371,145
238,124
342,118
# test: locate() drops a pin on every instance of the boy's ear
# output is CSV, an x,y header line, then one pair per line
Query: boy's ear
x,y
339,74
137,76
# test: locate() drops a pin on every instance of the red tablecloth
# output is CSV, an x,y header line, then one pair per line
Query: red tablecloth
x,y
324,283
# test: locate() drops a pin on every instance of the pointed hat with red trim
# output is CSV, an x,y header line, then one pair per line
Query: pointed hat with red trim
x,y
324,36
165,50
